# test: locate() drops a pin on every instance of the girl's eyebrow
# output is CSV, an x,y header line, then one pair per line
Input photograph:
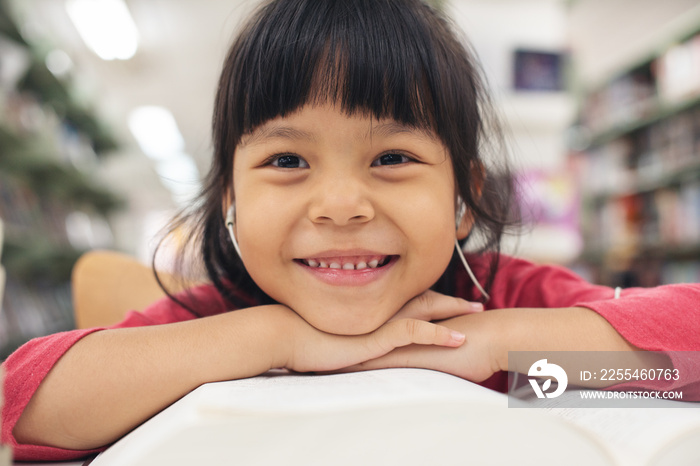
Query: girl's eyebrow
x,y
275,131
393,127
281,131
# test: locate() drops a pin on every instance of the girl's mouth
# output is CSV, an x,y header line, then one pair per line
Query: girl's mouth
x,y
352,270
347,263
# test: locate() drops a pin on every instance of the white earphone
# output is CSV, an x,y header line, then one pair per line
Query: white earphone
x,y
230,221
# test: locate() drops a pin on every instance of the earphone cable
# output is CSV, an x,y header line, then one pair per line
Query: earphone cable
x,y
469,271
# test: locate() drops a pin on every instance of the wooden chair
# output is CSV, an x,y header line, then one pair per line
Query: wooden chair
x,y
107,284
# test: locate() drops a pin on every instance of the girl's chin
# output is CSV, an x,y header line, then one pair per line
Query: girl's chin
x,y
349,316
348,327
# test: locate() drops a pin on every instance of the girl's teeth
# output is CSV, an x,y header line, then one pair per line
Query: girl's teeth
x,y
373,264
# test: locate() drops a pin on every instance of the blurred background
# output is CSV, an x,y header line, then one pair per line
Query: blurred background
x,y
105,133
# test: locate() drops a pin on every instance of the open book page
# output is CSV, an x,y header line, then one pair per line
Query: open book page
x,y
391,416
639,436
278,392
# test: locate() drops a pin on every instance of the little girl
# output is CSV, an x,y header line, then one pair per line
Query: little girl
x,y
351,166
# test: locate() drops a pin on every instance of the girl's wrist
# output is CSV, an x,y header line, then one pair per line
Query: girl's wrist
x,y
506,332
518,329
282,323
528,329
256,340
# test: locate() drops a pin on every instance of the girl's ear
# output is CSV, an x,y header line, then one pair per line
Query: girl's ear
x,y
464,221
225,208
463,218
226,202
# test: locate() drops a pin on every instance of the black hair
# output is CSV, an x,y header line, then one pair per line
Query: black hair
x,y
398,59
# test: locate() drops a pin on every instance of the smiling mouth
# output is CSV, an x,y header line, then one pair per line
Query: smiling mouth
x,y
347,263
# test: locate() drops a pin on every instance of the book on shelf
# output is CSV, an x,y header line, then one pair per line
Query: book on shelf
x,y
396,416
665,220
678,73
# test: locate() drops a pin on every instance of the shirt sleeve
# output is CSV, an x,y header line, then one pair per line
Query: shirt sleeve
x,y
665,319
24,371
26,368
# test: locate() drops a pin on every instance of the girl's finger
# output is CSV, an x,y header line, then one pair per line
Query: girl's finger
x,y
405,332
407,356
355,349
435,306
381,346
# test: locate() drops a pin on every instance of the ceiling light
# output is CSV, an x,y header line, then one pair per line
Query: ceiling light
x,y
58,62
105,26
156,132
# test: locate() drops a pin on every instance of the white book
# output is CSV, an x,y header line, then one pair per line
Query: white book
x,y
390,416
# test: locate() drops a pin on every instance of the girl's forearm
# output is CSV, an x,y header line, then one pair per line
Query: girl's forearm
x,y
566,329
569,329
111,381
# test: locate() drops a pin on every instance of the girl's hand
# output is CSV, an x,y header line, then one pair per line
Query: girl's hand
x,y
432,306
310,349
477,359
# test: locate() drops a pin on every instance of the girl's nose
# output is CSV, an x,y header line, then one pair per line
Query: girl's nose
x,y
341,201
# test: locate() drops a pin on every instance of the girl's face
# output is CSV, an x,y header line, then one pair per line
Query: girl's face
x,y
343,218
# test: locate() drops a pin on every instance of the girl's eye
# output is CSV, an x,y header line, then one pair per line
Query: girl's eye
x,y
289,161
392,158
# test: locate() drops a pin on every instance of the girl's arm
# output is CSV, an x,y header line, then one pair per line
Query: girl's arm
x,y
110,381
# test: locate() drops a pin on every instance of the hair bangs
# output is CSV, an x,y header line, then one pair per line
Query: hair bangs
x,y
316,56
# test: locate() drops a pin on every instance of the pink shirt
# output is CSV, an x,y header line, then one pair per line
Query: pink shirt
x,y
665,318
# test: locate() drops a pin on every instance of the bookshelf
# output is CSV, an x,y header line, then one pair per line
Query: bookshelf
x,y
51,207
639,169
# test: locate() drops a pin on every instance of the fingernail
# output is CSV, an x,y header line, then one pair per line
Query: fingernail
x,y
476,307
457,336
